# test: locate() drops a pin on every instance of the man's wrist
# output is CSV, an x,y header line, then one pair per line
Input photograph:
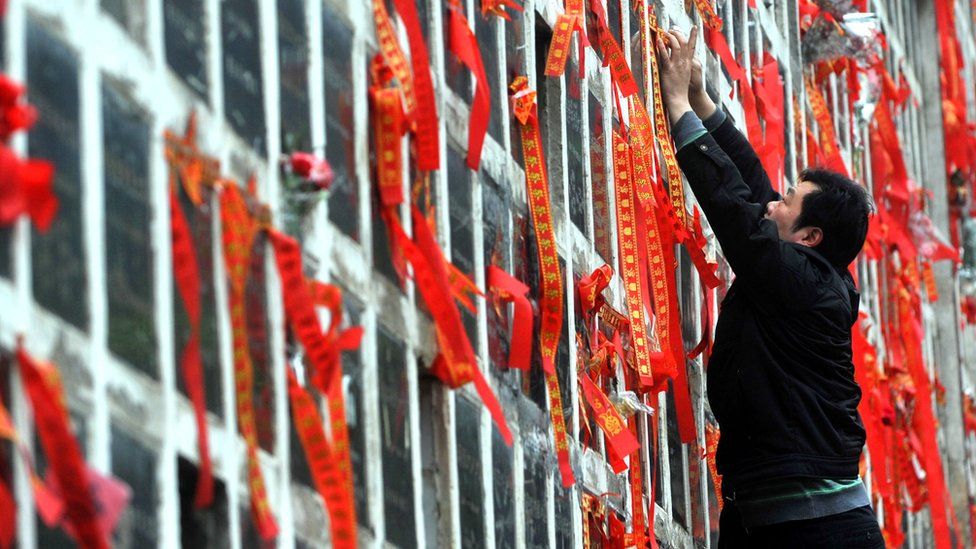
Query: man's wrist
x,y
702,104
677,107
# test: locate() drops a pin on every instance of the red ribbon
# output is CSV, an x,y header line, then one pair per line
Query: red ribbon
x,y
330,482
61,448
511,290
26,187
551,301
187,277
239,230
465,46
427,134
618,436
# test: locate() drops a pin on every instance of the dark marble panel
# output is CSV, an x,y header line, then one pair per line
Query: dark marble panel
x,y
602,192
200,220
135,464
242,74
129,251
679,496
578,203
185,34
486,29
503,478
293,76
60,279
352,369
457,76
496,233
515,65
6,252
259,344
130,14
563,504
339,130
534,484
395,441
201,527
471,497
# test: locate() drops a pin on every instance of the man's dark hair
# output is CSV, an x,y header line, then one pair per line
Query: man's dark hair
x,y
840,207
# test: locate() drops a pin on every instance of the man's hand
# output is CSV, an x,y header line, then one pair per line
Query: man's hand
x,y
677,62
697,96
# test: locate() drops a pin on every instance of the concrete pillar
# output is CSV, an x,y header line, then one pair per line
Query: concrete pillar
x,y
933,178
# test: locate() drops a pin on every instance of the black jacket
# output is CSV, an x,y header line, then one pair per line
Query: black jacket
x,y
780,378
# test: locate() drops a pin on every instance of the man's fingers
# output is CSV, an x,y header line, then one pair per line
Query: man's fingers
x,y
662,52
673,42
693,39
680,36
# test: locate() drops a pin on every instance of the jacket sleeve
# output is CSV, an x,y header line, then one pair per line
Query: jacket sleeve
x,y
749,242
740,151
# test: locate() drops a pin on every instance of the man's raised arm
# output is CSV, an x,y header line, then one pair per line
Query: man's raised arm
x,y
749,241
727,136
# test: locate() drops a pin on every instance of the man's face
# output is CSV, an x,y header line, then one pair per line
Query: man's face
x,y
785,212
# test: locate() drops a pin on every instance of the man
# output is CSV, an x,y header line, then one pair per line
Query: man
x,y
780,377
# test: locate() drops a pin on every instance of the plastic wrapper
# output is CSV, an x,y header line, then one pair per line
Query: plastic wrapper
x,y
856,35
628,403
929,240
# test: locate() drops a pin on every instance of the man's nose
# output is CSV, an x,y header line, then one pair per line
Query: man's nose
x,y
770,206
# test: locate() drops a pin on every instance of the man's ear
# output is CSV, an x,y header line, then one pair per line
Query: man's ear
x,y
811,236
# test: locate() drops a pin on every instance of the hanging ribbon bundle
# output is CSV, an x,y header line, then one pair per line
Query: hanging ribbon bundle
x,y
26,185
193,169
465,46
567,23
329,461
511,290
239,230
64,457
414,79
551,301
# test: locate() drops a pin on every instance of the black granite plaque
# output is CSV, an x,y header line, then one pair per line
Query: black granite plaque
x,y
259,343
130,14
534,485
128,240
201,527
300,473
613,20
637,55
135,464
459,198
526,268
6,252
563,504
471,498
395,441
503,479
382,256
602,193
563,365
456,75
578,202
352,369
293,76
496,234
243,78
515,65
185,33
200,219
60,278
486,29
676,460
339,142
